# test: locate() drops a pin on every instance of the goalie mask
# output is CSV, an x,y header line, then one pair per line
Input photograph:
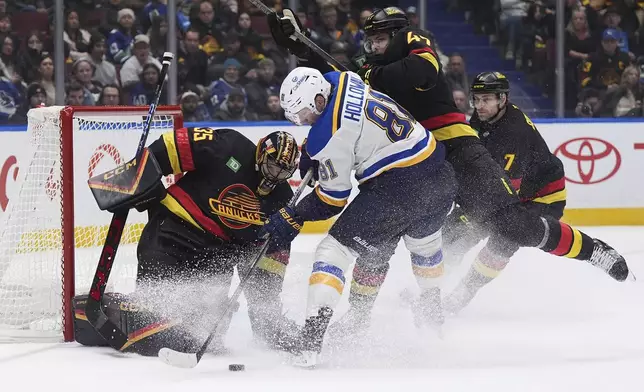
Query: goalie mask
x,y
276,160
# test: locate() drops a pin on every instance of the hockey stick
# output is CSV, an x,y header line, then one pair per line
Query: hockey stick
x,y
190,360
114,336
305,40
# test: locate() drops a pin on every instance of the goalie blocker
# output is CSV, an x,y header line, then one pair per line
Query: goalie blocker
x,y
199,229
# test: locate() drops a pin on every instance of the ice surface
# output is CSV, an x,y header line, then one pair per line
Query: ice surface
x,y
546,324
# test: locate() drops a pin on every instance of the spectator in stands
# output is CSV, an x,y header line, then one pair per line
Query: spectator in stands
x,y
5,24
76,38
158,34
612,20
604,67
462,102
112,9
455,72
346,16
329,31
119,41
510,19
193,109
234,108
209,27
110,96
278,55
579,43
232,49
8,63
251,42
258,91
534,34
104,71
220,89
274,111
36,97
359,36
11,99
133,67
589,104
142,93
46,77
29,57
192,62
340,51
153,9
82,73
74,94
626,99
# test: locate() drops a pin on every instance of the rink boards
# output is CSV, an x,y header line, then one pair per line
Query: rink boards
x,y
603,163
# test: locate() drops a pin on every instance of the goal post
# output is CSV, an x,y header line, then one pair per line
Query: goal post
x,y
52,230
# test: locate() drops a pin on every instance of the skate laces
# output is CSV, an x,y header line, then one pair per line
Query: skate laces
x,y
603,256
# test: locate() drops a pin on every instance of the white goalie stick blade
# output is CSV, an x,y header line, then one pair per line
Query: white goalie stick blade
x,y
178,359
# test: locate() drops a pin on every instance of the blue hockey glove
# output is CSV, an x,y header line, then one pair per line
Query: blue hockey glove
x,y
283,226
305,163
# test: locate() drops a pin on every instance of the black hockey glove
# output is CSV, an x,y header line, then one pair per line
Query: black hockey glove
x,y
305,163
283,27
365,72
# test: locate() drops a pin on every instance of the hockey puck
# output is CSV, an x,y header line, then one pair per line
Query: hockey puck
x,y
236,367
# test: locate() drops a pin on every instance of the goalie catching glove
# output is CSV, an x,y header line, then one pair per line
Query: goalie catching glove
x,y
135,184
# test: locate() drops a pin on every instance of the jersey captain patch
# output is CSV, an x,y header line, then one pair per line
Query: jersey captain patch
x,y
237,207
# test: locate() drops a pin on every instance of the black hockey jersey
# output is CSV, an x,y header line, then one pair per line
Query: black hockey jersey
x,y
515,143
217,191
411,74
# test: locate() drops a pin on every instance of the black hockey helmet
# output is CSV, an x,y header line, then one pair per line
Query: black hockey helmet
x,y
276,159
490,82
386,20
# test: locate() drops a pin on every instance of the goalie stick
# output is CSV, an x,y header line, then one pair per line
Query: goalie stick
x,y
302,37
190,360
114,336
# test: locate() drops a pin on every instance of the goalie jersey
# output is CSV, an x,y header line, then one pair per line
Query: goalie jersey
x,y
217,192
364,131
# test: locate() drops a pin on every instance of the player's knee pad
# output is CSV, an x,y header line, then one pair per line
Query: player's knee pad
x,y
489,264
327,278
426,258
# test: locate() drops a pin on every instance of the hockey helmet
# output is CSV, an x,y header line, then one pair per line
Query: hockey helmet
x,y
299,94
386,20
276,159
490,83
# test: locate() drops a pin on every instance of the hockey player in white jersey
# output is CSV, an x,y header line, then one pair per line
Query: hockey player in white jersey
x,y
406,190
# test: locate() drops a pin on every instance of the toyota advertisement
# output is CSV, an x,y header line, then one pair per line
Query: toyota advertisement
x,y
603,163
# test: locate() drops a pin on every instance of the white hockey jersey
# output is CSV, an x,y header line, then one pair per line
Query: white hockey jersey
x,y
362,130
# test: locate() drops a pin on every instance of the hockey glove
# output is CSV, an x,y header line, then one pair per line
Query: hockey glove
x,y
365,72
305,163
283,226
283,28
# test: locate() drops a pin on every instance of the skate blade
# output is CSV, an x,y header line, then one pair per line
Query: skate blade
x,y
631,276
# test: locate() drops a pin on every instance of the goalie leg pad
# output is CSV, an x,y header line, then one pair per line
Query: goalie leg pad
x,y
147,333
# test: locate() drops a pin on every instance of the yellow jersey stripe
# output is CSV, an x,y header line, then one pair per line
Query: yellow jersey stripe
x,y
452,131
552,198
424,154
339,99
176,208
328,200
429,57
173,154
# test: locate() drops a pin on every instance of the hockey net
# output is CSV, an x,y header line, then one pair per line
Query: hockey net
x,y
52,231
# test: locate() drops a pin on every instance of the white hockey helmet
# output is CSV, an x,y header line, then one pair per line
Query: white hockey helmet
x,y
299,91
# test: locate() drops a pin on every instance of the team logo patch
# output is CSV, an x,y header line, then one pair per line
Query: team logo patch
x,y
237,207
233,164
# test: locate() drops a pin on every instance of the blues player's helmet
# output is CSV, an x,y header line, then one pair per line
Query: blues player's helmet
x,y
386,20
276,159
301,95
490,83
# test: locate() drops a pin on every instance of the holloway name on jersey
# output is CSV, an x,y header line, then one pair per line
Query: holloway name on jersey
x,y
366,131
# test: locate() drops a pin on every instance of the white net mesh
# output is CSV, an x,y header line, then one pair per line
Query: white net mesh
x,y
31,246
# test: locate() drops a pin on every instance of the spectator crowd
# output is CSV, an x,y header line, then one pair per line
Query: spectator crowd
x,y
228,65
603,46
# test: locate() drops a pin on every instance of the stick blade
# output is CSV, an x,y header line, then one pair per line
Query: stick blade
x,y
178,359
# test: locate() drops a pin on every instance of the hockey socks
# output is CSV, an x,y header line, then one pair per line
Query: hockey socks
x,y
561,239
